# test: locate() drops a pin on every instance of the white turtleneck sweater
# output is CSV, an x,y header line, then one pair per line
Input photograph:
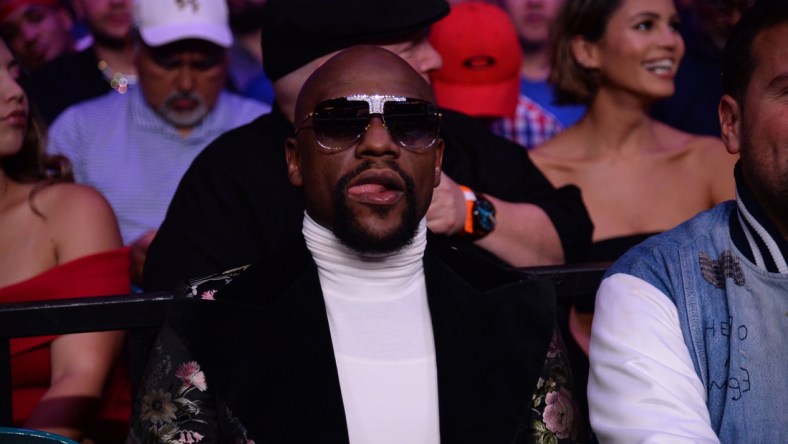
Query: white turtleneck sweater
x,y
382,336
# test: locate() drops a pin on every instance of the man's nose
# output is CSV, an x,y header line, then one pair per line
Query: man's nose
x,y
185,78
376,140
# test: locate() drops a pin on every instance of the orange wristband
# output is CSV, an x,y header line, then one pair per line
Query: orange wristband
x,y
470,200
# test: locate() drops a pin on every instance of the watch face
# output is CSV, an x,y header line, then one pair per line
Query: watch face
x,y
484,215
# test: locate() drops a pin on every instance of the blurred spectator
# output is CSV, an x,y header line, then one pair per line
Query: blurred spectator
x,y
705,28
246,55
37,31
480,75
57,240
107,65
135,147
716,18
637,175
534,21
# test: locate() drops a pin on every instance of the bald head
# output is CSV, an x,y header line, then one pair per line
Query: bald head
x,y
361,70
367,169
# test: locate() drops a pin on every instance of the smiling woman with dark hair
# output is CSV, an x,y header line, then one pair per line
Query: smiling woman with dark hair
x,y
57,240
637,175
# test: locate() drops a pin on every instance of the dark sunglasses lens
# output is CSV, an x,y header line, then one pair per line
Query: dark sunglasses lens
x,y
339,123
413,125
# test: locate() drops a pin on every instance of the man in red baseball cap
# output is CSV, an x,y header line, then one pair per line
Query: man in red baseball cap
x,y
480,75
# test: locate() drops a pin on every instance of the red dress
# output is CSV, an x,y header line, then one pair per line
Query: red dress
x,y
99,274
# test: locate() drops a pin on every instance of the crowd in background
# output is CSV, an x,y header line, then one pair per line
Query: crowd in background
x,y
112,112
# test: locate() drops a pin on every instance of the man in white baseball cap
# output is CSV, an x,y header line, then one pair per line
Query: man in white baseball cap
x,y
160,22
177,34
135,147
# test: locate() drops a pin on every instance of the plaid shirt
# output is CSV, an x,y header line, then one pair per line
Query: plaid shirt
x,y
530,126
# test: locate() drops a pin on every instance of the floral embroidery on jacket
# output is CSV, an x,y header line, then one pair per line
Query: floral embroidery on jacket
x,y
175,406
206,287
555,416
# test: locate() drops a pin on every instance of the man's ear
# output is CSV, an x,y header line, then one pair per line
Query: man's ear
x,y
585,52
729,112
439,145
293,161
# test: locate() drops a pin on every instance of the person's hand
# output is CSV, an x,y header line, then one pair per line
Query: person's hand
x,y
139,250
448,209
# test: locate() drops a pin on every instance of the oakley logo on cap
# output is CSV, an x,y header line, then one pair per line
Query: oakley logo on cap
x,y
479,63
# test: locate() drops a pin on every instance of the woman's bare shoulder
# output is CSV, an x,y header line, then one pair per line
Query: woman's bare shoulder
x,y
562,149
70,200
706,158
687,147
676,139
79,218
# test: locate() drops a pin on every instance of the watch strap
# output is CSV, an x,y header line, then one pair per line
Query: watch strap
x,y
470,201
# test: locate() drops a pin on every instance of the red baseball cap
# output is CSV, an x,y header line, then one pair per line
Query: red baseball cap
x,y
481,55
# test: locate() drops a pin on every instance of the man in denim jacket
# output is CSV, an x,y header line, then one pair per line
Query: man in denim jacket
x,y
688,342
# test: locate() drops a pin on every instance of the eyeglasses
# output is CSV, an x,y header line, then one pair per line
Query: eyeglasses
x,y
340,123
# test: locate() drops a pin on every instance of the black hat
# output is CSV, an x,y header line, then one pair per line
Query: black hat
x,y
295,32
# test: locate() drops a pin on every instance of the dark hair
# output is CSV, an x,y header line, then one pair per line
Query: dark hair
x,y
31,164
738,58
572,82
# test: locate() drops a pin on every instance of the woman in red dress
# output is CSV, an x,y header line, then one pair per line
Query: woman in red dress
x,y
57,240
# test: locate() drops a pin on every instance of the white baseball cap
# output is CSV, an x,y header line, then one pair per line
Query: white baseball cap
x,y
160,22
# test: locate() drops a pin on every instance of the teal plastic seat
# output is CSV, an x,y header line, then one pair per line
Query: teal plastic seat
x,y
13,435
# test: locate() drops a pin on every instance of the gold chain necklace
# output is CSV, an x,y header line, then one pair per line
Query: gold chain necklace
x,y
117,80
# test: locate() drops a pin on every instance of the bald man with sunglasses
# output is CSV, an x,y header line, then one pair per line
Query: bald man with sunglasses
x,y
235,203
362,330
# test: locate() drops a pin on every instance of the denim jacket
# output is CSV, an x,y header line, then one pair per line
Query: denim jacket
x,y
733,313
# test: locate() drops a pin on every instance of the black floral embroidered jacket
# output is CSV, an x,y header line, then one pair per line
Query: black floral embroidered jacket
x,y
251,361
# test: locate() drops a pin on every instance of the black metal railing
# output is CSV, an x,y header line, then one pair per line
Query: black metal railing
x,y
135,313
139,313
